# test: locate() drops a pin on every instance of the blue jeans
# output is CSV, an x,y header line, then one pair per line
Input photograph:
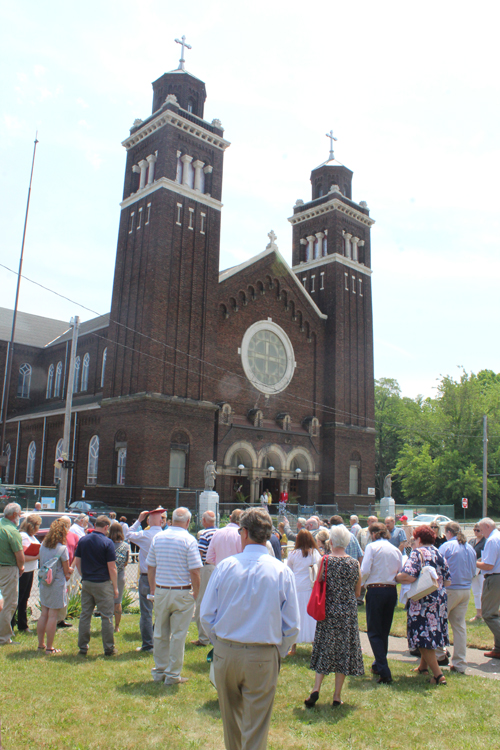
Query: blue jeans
x,y
380,604
146,605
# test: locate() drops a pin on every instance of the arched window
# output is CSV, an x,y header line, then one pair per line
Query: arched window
x,y
93,460
57,465
58,381
85,372
50,382
355,474
24,382
76,378
103,367
179,450
30,463
190,105
121,466
8,452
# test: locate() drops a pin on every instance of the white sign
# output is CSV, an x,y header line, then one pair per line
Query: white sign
x,y
465,502
371,490
48,503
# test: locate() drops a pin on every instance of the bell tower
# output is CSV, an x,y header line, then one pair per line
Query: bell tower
x,y
162,332
331,257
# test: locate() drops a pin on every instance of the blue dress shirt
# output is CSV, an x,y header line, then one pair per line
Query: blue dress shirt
x,y
491,552
461,560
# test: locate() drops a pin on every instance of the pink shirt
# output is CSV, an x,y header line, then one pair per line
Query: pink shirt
x,y
72,540
224,543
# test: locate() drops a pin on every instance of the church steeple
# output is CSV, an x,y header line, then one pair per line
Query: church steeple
x,y
189,90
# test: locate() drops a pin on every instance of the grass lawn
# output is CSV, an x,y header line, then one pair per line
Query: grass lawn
x,y
478,634
75,702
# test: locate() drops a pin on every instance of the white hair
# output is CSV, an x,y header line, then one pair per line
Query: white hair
x,y
488,522
11,509
355,519
209,516
312,523
181,514
339,536
302,521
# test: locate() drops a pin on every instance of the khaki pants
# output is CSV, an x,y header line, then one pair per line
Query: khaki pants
x,y
246,677
9,585
490,603
173,613
205,574
458,601
98,595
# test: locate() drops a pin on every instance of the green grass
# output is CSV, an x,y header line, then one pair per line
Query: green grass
x,y
478,634
93,702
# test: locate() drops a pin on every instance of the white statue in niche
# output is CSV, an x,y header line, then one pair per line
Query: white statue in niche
x,y
210,474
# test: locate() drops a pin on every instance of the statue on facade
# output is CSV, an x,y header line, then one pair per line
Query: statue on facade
x,y
210,474
388,486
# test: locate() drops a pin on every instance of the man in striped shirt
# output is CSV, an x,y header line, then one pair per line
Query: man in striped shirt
x,y
174,579
208,522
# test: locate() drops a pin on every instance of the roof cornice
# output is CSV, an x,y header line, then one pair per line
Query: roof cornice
x,y
171,118
174,187
333,258
333,205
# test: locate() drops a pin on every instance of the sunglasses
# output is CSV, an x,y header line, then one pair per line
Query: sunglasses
x,y
477,529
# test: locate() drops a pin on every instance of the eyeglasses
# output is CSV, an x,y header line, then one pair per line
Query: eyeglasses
x,y
435,527
477,529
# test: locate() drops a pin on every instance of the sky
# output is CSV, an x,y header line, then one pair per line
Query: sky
x,y
411,91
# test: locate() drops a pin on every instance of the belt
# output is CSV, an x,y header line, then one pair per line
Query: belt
x,y
488,575
174,588
240,644
381,586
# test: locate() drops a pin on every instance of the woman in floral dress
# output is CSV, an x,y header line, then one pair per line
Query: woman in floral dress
x,y
427,627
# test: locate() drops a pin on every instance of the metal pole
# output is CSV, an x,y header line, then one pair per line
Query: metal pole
x,y
485,466
10,350
63,484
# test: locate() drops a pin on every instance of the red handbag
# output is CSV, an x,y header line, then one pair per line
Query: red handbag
x,y
317,600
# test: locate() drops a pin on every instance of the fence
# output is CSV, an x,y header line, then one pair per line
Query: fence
x,y
27,496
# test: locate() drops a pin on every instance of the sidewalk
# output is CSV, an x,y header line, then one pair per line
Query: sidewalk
x,y
478,664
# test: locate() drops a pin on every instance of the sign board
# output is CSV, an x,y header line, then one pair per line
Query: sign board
x,y
465,502
371,490
48,503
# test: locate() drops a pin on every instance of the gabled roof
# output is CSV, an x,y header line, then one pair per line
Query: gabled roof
x,y
31,330
89,326
224,275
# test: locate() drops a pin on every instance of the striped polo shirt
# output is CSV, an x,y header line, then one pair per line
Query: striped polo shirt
x,y
204,541
174,552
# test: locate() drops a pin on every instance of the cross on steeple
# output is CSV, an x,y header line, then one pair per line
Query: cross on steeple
x,y
182,42
332,139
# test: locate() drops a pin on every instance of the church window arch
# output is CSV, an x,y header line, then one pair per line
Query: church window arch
x,y
179,452
121,464
57,463
355,474
256,417
223,311
85,372
76,378
241,452
30,463
24,381
234,304
226,414
300,458
93,460
103,366
251,292
50,381
260,288
58,380
242,299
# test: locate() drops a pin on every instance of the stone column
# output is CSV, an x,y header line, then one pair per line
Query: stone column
x,y
319,237
198,175
151,159
186,159
310,250
144,171
208,170
347,238
355,241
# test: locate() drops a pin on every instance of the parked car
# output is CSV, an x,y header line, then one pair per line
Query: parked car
x,y
428,518
92,508
47,517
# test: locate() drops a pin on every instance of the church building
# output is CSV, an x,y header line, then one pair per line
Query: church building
x,y
265,368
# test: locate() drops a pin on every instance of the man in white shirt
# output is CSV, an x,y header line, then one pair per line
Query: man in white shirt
x,y
80,525
143,540
355,527
490,563
174,565
381,563
225,542
251,615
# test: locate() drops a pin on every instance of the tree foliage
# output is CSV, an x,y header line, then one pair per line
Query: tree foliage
x,y
433,447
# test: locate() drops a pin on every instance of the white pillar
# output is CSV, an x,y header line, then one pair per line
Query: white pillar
x,y
310,250
144,171
198,166
319,237
355,241
186,160
151,171
347,237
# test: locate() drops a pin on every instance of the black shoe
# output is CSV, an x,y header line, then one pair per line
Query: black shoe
x,y
63,624
83,652
384,680
374,669
313,698
443,662
415,652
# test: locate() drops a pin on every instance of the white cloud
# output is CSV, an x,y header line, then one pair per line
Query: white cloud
x,y
39,71
82,103
94,159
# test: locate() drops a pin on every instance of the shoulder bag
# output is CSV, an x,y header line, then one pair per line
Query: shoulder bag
x,y
317,600
425,584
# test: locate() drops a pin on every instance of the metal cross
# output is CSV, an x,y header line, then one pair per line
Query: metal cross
x,y
332,139
272,236
182,42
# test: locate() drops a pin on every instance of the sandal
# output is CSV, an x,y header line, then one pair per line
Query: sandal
x,y
313,698
52,651
335,704
420,671
41,648
439,680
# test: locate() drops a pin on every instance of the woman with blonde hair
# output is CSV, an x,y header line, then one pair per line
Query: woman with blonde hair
x,y
28,529
122,550
301,560
53,596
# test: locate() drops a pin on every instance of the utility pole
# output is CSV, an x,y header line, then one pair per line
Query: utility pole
x,y
485,466
67,464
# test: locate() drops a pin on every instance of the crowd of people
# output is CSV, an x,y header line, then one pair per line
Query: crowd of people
x,y
250,602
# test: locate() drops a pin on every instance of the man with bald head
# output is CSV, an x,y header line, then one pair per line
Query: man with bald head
x,y
227,541
204,537
174,565
490,563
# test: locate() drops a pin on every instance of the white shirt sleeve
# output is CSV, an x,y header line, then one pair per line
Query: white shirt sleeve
x,y
366,563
